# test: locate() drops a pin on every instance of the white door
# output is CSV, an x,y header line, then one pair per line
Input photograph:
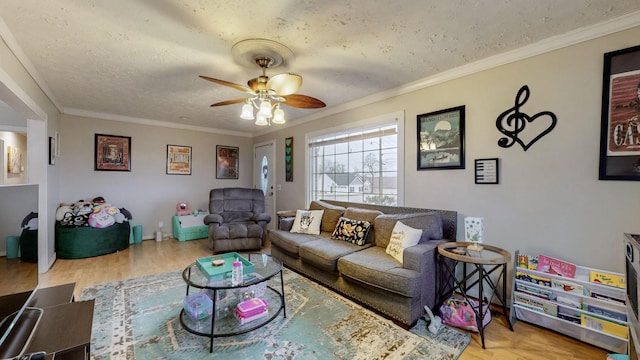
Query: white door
x,y
264,177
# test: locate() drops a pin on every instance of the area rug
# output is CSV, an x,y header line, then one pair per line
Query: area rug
x,y
138,319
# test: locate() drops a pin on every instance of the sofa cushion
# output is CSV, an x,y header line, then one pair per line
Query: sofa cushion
x,y
238,230
324,253
307,222
332,214
430,223
351,230
402,237
374,267
290,242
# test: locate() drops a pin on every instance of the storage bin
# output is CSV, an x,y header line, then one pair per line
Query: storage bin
x,y
137,234
198,306
13,246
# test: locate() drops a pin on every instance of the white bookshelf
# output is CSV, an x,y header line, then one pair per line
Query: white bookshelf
x,y
524,306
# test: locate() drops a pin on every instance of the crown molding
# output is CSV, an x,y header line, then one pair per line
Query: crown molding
x,y
143,121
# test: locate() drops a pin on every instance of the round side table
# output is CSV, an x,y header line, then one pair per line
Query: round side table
x,y
484,262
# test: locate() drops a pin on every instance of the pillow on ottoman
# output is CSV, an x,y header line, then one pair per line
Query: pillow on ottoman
x,y
307,222
402,237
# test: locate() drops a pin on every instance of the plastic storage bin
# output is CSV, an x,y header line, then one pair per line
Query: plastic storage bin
x,y
198,306
13,246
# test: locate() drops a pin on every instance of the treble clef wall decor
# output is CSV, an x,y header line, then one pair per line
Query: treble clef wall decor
x,y
512,122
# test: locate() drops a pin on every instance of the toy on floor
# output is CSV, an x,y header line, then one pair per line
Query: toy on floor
x,y
436,322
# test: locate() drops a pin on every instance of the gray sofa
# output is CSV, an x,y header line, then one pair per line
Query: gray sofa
x,y
366,273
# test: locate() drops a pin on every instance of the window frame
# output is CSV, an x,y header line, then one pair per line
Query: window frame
x,y
398,117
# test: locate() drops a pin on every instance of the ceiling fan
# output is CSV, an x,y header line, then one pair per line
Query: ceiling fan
x,y
267,94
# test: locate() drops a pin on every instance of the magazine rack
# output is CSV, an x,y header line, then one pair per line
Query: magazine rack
x,y
540,298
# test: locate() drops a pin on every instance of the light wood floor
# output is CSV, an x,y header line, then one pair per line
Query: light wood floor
x,y
526,342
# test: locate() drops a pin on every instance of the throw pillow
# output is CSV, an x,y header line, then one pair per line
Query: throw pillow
x,y
351,230
307,222
402,237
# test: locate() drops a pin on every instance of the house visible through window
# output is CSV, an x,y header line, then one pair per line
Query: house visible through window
x,y
357,165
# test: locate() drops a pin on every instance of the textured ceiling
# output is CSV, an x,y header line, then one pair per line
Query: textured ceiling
x,y
141,59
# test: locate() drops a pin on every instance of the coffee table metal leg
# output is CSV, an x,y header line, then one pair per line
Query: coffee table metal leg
x,y
213,318
284,307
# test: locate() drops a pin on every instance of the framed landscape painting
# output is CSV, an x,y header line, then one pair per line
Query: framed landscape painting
x,y
226,162
441,139
112,153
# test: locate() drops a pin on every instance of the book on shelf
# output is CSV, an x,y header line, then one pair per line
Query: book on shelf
x,y
531,290
572,315
605,308
608,298
569,287
532,278
527,262
537,304
600,324
569,299
604,278
555,266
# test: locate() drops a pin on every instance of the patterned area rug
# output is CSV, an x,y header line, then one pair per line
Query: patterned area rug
x,y
138,319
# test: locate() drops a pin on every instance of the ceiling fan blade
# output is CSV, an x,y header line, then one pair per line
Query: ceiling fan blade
x,y
230,84
285,84
229,102
303,101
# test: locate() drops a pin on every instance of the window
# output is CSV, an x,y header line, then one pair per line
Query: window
x,y
356,165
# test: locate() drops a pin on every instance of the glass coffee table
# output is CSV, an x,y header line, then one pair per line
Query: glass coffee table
x,y
263,283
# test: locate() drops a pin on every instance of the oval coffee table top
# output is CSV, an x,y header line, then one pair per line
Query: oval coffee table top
x,y
264,267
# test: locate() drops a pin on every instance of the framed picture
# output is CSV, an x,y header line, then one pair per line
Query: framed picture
x,y
52,150
487,171
227,162
178,160
441,139
112,153
620,118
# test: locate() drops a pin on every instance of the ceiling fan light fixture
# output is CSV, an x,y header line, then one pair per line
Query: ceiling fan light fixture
x,y
278,115
247,111
261,120
265,108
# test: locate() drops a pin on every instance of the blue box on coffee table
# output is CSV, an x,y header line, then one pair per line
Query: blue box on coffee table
x,y
216,273
198,306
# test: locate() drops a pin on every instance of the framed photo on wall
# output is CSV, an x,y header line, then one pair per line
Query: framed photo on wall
x,y
441,139
112,153
620,117
178,160
227,162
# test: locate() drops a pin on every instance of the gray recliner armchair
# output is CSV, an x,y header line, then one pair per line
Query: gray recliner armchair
x,y
237,219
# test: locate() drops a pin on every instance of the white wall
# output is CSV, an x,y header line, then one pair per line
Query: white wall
x,y
549,199
147,191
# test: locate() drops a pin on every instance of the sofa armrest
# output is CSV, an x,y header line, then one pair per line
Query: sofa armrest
x,y
213,219
286,223
421,257
258,217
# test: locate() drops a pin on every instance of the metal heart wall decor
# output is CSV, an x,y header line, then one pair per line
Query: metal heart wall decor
x,y
513,123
